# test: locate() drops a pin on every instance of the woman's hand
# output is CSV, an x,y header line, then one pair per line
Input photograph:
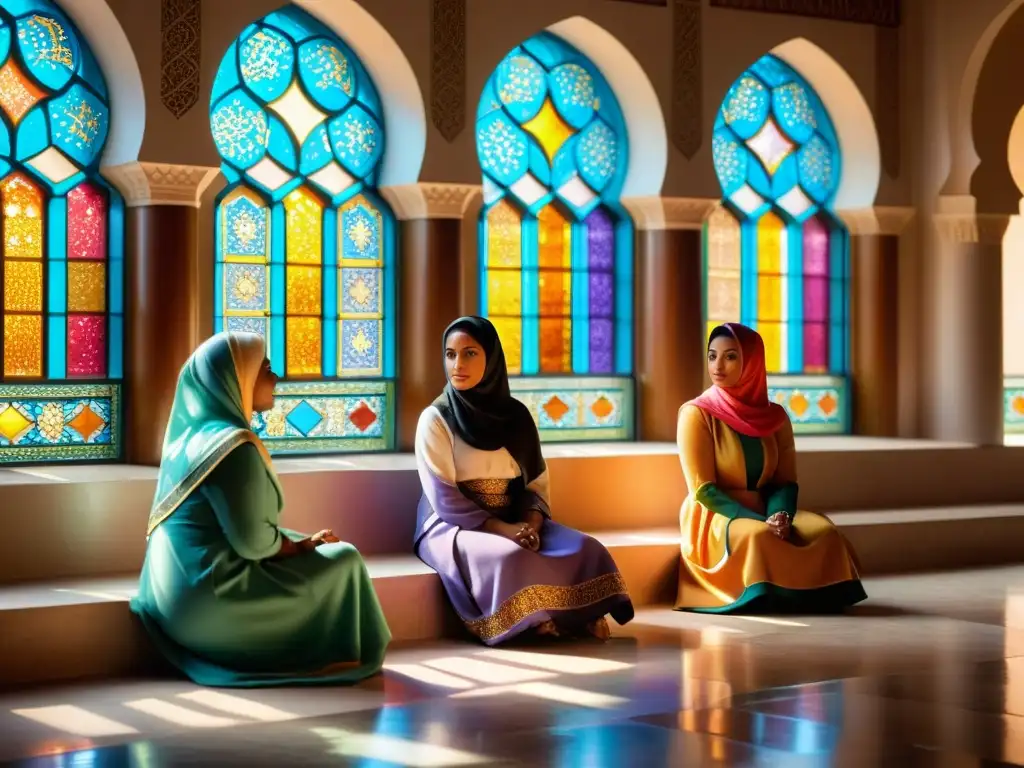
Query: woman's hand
x,y
520,533
325,536
779,524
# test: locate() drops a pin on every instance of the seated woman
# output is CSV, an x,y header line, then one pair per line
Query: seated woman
x,y
228,596
745,545
484,524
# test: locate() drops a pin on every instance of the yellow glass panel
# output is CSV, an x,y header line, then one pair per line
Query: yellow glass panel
x,y
303,290
555,345
504,236
510,331
555,290
769,244
23,286
303,228
87,286
554,239
303,346
769,298
723,238
549,129
23,345
724,297
772,335
504,292
23,218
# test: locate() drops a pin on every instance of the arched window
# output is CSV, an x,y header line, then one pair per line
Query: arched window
x,y
776,253
556,247
305,246
62,266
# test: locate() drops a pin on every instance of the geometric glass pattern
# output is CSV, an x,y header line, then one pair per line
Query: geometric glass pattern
x,y
305,245
578,409
322,416
775,253
62,228
1013,405
555,244
59,422
816,404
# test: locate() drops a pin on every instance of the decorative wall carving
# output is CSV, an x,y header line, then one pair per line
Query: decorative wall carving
x,y
887,97
884,13
180,46
429,200
687,80
880,220
160,183
984,228
448,67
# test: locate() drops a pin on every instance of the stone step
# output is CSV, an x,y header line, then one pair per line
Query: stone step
x,y
84,522
66,629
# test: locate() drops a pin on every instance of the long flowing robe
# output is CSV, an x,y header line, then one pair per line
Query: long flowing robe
x,y
731,559
498,588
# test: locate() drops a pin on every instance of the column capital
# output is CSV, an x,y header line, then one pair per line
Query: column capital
x,y
144,184
661,213
429,200
985,228
880,220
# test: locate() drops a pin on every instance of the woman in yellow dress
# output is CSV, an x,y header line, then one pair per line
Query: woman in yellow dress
x,y
745,546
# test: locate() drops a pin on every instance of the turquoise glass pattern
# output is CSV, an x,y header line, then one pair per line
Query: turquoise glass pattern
x,y
62,267
555,243
779,164
305,245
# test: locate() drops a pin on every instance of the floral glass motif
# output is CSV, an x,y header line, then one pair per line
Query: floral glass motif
x,y
62,267
305,244
775,252
556,244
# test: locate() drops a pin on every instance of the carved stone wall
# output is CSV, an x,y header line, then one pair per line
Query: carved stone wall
x,y
687,77
448,67
180,47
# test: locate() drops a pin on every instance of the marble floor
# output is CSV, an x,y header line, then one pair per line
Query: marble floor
x,y
929,672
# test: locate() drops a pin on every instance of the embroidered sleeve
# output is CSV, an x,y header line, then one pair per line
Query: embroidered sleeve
x,y
435,460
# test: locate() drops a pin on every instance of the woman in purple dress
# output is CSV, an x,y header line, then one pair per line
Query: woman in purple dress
x,y
484,524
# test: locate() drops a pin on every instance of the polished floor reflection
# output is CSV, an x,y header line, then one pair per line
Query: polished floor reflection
x,y
929,672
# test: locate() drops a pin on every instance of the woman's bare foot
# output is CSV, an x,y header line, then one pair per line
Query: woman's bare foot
x,y
599,629
547,629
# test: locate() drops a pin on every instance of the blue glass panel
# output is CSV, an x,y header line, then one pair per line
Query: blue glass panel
x,y
598,155
281,146
361,233
32,136
5,41
294,23
23,7
266,60
327,73
746,106
357,140
758,178
774,72
730,159
56,347
573,93
794,112
520,85
539,165
785,177
329,330
115,345
227,74
240,130
316,151
91,73
818,173
48,48
360,345
78,124
245,227
563,168
502,148
115,251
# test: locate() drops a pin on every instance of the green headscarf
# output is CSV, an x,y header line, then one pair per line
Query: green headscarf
x,y
209,418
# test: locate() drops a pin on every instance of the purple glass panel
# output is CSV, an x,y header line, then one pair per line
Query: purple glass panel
x,y
815,347
602,290
600,240
602,340
815,299
816,247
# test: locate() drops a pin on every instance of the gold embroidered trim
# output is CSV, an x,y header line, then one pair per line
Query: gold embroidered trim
x,y
491,493
543,597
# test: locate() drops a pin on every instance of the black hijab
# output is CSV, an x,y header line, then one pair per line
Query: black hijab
x,y
487,417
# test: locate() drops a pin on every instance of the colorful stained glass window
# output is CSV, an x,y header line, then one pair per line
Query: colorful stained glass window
x,y
776,253
62,229
556,247
305,244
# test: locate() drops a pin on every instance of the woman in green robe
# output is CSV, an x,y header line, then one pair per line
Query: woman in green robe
x,y
228,596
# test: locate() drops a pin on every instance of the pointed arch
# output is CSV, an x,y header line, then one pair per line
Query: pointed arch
x,y
305,245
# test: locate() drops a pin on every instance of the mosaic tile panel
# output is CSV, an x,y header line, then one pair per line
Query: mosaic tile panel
x,y
1013,405
578,409
59,422
328,416
816,404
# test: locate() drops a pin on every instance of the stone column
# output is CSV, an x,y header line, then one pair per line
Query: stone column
x,y
962,379
429,285
875,317
162,289
668,316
